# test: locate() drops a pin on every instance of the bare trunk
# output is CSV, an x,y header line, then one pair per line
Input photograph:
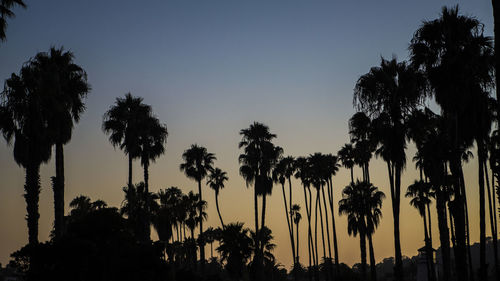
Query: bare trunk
x,y
290,227
373,265
493,225
482,216
202,240
32,196
217,206
58,188
444,237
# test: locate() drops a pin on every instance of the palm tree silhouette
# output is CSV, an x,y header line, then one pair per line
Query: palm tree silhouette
x,y
256,163
123,122
197,163
235,248
6,12
297,217
216,180
452,50
63,85
283,170
332,168
346,157
389,93
373,204
420,194
22,118
136,206
361,132
351,205
303,172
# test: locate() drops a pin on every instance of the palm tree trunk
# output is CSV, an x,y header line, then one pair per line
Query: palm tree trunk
x,y
335,245
202,243
373,265
482,216
58,186
459,220
444,237
452,227
291,218
428,251
326,223
395,185
496,30
263,216
318,261
318,203
217,206
129,170
147,219
256,209
362,245
466,208
493,225
297,247
32,196
290,227
430,223
309,235
352,174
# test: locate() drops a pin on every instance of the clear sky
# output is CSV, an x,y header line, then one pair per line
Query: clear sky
x,y
209,68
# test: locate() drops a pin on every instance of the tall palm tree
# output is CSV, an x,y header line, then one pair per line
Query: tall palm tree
x,y
282,171
259,157
216,181
454,54
346,157
152,139
388,93
331,170
303,172
63,86
6,13
123,122
23,120
197,163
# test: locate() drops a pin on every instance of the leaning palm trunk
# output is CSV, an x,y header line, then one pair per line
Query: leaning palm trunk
x,y
58,188
373,267
493,225
218,211
32,196
482,214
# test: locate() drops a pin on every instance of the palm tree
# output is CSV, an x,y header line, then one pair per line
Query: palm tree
x,y
281,172
235,248
455,56
297,217
361,132
123,122
197,163
346,157
351,205
216,181
373,204
63,86
419,192
303,172
388,93
6,12
257,161
164,217
22,118
136,206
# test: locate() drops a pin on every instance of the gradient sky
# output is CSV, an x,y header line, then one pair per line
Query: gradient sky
x,y
210,68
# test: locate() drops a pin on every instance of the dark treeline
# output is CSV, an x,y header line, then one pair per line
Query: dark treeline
x,y
451,62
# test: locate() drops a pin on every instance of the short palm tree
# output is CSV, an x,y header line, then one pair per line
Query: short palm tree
x,y
136,205
123,122
297,217
197,164
22,119
63,85
216,180
6,13
235,248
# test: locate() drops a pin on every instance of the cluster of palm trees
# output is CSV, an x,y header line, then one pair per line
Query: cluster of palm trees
x,y
451,62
